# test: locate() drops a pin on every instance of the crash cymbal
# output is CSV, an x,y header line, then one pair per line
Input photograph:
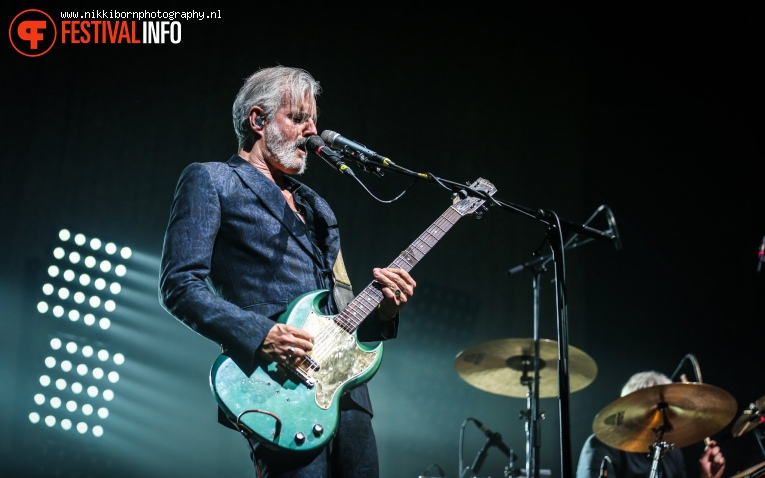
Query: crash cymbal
x,y
504,367
677,413
752,417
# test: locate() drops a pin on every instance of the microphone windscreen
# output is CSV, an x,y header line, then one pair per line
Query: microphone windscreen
x,y
329,137
314,143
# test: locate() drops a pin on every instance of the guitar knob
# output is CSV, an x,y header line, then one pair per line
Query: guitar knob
x,y
299,438
318,430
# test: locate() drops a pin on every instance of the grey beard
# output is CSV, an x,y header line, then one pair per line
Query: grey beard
x,y
283,150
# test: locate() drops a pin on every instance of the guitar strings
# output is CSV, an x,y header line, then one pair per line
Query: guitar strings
x,y
336,331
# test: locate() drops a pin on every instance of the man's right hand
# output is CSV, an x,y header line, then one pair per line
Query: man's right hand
x,y
285,343
712,461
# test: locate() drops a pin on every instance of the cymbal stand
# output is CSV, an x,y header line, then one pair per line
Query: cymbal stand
x,y
757,417
529,414
660,448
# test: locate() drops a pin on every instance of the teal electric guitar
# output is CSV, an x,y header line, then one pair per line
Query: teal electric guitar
x,y
295,407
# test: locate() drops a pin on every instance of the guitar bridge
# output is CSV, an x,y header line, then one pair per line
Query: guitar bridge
x,y
300,370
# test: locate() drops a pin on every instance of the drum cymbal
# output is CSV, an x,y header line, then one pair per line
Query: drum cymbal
x,y
750,418
677,413
504,367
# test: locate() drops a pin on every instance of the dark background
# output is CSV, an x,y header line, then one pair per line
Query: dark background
x,y
654,111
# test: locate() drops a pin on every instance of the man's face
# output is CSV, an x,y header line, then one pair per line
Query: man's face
x,y
286,136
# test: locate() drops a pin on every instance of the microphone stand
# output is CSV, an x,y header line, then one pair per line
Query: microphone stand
x,y
493,439
479,459
555,238
557,230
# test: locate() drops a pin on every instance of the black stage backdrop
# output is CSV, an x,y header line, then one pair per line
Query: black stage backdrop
x,y
653,111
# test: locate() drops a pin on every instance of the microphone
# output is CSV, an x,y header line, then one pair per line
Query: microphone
x,y
334,140
612,227
761,255
495,438
315,144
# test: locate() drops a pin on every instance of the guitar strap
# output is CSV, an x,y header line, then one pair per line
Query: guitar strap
x,y
342,291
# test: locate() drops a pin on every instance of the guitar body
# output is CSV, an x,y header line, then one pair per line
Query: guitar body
x,y
296,408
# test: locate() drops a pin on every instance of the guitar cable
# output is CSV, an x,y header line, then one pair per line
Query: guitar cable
x,y
246,433
244,429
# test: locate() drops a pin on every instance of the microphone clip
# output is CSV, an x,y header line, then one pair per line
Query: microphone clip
x,y
364,163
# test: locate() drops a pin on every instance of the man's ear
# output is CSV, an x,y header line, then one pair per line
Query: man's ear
x,y
256,117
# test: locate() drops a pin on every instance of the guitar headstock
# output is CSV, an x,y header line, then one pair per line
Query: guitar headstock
x,y
468,203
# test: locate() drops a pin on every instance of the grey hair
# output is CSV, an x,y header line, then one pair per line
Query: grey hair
x,y
268,88
644,380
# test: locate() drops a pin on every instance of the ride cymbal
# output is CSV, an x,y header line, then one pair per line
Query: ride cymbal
x,y
750,418
677,413
506,367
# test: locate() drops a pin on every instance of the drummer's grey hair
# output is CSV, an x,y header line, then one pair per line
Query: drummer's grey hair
x,y
644,380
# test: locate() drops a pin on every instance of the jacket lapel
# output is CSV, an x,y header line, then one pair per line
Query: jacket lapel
x,y
273,201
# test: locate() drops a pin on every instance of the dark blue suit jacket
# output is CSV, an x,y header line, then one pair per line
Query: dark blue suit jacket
x,y
235,255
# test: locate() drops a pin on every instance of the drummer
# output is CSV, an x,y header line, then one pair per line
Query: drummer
x,y
596,456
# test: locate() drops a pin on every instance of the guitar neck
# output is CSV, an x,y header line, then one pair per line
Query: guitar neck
x,y
363,304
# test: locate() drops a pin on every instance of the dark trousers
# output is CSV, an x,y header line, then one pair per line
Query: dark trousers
x,y
352,453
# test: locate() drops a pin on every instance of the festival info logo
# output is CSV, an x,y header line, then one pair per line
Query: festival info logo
x,y
32,33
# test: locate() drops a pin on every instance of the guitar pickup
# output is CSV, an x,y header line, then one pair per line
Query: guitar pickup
x,y
313,365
